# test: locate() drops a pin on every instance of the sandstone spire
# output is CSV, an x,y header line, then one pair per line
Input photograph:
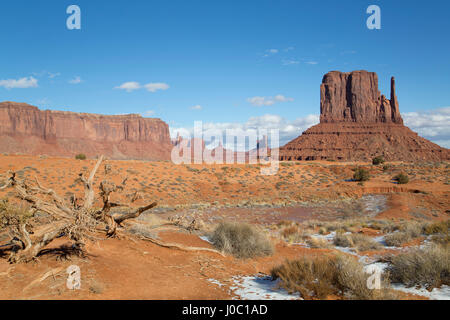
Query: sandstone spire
x,y
357,123
354,97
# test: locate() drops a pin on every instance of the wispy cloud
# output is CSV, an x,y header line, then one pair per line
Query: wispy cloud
x,y
151,87
27,82
270,52
129,86
289,62
348,52
197,107
148,113
75,80
268,101
311,62
53,75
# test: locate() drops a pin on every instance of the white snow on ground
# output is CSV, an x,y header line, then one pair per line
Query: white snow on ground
x,y
216,282
374,204
442,293
260,287
205,238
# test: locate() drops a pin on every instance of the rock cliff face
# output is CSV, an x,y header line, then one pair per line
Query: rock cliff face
x,y
354,97
28,130
357,123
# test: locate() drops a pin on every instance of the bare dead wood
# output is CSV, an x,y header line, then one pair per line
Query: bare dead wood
x,y
47,274
179,246
70,219
88,186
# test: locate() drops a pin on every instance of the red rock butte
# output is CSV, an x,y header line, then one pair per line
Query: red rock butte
x,y
24,129
357,123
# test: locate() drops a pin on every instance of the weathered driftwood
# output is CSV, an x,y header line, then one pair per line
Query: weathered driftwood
x,y
77,222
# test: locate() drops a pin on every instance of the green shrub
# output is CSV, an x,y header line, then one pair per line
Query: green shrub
x,y
241,240
401,178
361,175
80,156
378,160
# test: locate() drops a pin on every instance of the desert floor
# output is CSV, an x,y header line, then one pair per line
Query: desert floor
x,y
301,193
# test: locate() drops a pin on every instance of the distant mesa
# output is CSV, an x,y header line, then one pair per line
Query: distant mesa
x,y
24,129
357,123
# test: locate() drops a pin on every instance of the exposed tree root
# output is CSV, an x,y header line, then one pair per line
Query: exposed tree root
x,y
179,246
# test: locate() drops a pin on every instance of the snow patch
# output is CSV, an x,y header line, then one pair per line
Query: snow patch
x,y
260,287
442,293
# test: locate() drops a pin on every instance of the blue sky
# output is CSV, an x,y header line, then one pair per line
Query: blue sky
x,y
223,61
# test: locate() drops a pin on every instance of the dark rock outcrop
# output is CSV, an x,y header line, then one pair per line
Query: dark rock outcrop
x,y
26,129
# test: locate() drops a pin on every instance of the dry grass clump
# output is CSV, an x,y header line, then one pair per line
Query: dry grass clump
x,y
407,232
322,276
11,214
358,241
428,267
318,243
437,227
294,233
241,240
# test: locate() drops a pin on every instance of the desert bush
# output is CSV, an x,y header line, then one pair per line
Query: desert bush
x,y
401,178
13,215
241,240
428,267
80,156
397,239
407,232
361,175
358,241
378,160
294,234
316,242
437,227
321,276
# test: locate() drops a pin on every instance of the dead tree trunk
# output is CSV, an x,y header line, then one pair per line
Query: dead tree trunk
x,y
76,222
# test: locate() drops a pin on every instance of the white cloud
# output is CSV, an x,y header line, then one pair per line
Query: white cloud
x,y
129,86
148,113
53,75
433,125
21,83
290,62
153,87
288,130
270,52
311,62
75,80
268,101
197,107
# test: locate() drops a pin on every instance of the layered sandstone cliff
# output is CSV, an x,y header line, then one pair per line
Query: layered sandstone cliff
x,y
357,123
28,130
